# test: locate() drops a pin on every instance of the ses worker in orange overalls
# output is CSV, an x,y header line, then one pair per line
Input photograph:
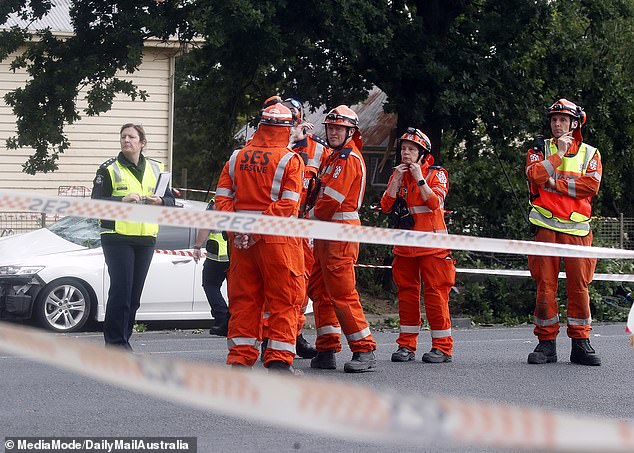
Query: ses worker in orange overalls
x,y
265,177
564,174
332,284
415,199
314,151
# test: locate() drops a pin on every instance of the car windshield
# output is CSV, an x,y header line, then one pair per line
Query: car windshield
x,y
78,230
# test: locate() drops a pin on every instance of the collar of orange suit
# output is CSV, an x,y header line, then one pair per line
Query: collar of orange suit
x,y
271,137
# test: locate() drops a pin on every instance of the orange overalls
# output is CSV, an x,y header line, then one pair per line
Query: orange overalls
x,y
434,266
314,152
332,284
573,193
265,177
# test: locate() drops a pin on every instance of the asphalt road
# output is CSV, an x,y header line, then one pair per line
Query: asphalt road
x,y
489,364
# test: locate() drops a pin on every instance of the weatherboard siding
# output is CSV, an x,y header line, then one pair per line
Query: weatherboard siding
x,y
93,139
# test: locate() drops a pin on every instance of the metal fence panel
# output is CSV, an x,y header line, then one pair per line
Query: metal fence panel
x,y
16,222
614,232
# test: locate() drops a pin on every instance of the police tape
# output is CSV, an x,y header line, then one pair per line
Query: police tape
x,y
284,226
459,270
518,273
562,275
195,190
178,252
329,408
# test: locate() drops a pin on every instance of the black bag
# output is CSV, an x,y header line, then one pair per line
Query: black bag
x,y
399,216
312,191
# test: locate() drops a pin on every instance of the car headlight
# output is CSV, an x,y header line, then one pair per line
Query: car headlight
x,y
20,270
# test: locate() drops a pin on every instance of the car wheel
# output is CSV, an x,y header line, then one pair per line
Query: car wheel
x,y
63,305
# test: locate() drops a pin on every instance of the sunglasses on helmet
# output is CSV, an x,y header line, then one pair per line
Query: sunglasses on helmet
x,y
416,132
295,103
337,116
559,107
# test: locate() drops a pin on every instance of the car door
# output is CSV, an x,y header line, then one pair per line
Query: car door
x,y
169,287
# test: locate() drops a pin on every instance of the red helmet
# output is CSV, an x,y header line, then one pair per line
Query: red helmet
x,y
342,116
271,101
276,115
416,136
565,107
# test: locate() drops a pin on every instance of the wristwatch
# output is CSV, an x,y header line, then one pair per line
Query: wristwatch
x,y
421,182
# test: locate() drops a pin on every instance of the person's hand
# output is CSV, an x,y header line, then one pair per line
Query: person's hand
x,y
563,143
243,241
416,172
301,130
132,198
400,170
153,199
197,254
551,183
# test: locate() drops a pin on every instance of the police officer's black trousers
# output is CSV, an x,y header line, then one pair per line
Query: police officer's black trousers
x,y
214,273
128,265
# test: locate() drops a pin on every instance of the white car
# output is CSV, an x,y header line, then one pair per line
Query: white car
x,y
58,276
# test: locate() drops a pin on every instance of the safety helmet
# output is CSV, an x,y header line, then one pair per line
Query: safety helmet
x,y
271,101
565,107
416,136
276,115
296,108
342,116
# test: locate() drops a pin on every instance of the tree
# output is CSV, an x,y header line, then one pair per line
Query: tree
x,y
108,38
473,74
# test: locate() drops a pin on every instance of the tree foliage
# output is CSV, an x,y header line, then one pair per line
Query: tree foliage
x,y
475,75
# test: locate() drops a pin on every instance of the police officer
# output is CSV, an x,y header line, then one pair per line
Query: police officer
x,y
214,273
127,246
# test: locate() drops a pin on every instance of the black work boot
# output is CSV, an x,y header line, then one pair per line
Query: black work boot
x,y
324,360
263,345
277,366
545,352
583,353
436,356
361,362
403,355
304,349
219,328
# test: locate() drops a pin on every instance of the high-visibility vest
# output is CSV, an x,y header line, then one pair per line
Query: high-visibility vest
x,y
560,212
217,247
123,183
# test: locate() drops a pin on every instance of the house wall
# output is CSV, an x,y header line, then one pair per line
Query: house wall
x,y
94,139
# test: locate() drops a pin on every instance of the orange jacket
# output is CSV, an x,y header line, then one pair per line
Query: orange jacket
x,y
574,188
429,215
314,152
342,187
264,177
